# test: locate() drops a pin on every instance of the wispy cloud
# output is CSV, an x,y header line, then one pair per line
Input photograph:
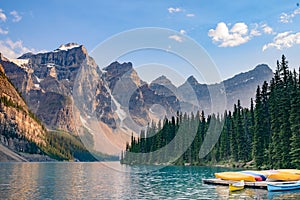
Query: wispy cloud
x,y
16,16
3,32
190,15
174,10
2,15
236,36
177,38
283,40
288,17
13,49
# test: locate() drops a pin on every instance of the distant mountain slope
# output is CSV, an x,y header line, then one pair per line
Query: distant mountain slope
x,y
243,86
194,95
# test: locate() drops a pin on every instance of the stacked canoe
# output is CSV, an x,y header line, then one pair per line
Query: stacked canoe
x,y
285,175
267,175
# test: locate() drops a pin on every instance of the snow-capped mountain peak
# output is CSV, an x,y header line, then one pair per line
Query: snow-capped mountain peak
x,y
66,47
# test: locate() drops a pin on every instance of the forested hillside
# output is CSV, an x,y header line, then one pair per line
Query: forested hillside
x,y
266,135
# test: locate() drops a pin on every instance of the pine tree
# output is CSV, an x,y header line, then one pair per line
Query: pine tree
x,y
284,109
242,143
233,139
265,122
295,123
224,139
258,132
275,149
247,134
251,127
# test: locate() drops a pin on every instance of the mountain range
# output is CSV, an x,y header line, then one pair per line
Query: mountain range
x,y
66,90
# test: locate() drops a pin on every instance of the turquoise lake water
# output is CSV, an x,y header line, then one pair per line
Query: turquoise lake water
x,y
59,180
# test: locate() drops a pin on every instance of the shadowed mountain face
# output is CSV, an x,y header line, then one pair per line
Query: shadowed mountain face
x,y
52,82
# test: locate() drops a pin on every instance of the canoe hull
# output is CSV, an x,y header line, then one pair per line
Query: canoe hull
x,y
283,187
236,186
284,176
233,188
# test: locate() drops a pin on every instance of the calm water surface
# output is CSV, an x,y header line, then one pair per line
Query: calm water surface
x,y
103,181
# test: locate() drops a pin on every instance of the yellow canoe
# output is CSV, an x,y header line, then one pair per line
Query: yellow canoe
x,y
235,176
236,186
284,176
293,171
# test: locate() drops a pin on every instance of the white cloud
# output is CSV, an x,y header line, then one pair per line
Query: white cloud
x,y
182,31
267,29
3,32
176,38
16,16
2,15
13,49
240,28
190,15
283,40
236,36
174,10
288,17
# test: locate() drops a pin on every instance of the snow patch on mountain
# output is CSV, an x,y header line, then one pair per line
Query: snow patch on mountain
x,y
20,62
120,112
66,47
38,79
248,79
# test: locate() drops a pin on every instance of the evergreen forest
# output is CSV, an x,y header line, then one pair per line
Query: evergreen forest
x,y
264,136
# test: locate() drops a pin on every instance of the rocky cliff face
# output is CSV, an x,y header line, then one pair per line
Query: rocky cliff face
x,y
135,102
46,81
19,129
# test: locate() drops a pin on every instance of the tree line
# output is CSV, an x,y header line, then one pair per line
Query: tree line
x,y
266,135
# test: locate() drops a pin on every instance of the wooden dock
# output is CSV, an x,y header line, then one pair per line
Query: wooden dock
x,y
257,184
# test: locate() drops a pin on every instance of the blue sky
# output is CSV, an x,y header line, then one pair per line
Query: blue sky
x,y
237,34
